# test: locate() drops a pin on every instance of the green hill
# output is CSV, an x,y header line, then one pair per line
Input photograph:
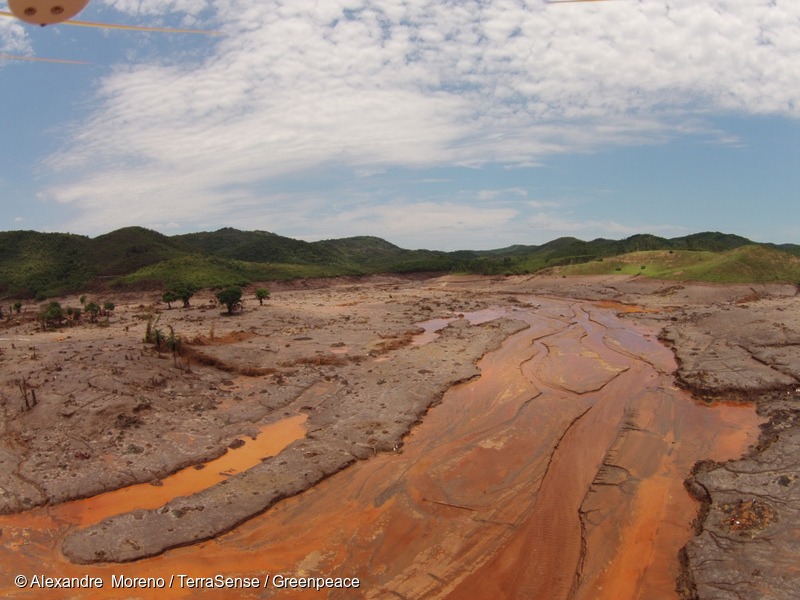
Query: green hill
x,y
354,255
745,264
255,246
213,272
790,248
709,240
131,248
41,265
570,250
44,264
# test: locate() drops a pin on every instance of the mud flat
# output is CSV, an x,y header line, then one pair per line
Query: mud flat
x,y
734,343
344,426
110,411
559,472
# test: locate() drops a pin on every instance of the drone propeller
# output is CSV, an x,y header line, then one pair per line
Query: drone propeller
x,y
41,59
4,13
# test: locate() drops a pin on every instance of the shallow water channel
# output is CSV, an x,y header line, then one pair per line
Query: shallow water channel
x,y
558,473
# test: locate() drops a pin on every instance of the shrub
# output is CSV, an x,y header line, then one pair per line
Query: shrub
x,y
179,291
169,297
184,291
231,297
262,294
108,308
50,314
93,308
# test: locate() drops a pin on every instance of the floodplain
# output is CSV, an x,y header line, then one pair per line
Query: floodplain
x,y
443,437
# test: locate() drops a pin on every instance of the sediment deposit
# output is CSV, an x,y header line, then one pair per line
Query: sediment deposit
x,y
553,466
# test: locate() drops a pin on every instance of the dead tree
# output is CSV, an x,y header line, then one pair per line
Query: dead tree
x,y
24,388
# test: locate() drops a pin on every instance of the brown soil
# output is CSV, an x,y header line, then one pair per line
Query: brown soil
x,y
558,473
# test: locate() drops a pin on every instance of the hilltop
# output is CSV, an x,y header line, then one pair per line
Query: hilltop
x,y
41,265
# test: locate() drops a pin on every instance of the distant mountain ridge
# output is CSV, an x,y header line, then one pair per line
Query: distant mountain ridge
x,y
34,264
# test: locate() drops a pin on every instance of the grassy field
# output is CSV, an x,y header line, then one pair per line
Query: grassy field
x,y
747,264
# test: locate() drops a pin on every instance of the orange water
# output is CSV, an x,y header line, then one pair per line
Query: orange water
x,y
31,537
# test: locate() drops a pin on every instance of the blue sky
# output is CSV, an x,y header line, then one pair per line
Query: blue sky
x,y
433,124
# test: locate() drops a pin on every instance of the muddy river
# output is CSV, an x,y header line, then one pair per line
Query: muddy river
x,y
556,474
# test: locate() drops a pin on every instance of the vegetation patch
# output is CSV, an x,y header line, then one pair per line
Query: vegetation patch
x,y
748,264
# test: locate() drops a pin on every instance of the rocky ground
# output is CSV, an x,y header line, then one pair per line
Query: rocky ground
x,y
90,407
748,543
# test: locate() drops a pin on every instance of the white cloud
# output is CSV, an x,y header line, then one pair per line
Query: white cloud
x,y
488,195
542,204
13,39
159,7
295,85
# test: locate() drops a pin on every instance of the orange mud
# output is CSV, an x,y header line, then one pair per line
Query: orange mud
x,y
624,308
556,474
271,439
20,531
